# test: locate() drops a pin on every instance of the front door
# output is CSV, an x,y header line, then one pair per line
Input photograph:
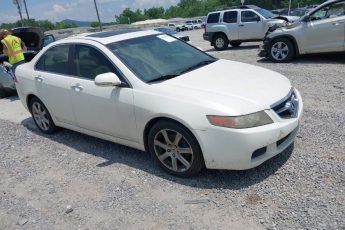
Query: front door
x,y
325,32
107,110
251,26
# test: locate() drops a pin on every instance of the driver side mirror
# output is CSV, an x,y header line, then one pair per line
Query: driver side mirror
x,y
107,80
258,19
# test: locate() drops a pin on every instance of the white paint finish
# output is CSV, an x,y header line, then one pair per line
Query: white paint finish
x,y
121,114
107,110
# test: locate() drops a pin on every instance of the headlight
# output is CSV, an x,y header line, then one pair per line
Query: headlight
x,y
241,122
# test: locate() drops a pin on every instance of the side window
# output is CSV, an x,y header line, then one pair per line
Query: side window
x,y
249,16
230,17
213,18
55,60
89,62
331,11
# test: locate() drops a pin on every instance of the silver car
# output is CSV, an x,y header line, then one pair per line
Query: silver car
x,y
321,30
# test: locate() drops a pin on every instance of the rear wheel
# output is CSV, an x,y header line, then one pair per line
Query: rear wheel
x,y
42,117
281,50
235,43
178,29
175,149
220,42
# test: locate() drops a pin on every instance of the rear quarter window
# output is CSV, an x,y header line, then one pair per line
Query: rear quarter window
x,y
213,18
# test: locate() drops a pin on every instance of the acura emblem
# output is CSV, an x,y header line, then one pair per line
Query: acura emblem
x,y
292,105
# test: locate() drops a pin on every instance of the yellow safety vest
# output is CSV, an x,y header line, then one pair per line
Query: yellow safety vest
x,y
14,49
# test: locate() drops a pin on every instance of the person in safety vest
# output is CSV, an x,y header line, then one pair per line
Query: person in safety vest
x,y
13,47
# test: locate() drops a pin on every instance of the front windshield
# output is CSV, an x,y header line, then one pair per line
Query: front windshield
x,y
154,56
265,13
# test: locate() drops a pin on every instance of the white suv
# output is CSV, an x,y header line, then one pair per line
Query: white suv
x,y
321,30
240,24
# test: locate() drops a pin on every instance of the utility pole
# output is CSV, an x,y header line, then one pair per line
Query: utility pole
x,y
17,2
289,8
99,20
26,9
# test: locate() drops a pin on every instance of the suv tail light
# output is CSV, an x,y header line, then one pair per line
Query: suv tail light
x,y
205,28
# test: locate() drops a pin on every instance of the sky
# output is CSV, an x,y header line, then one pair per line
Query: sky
x,y
82,10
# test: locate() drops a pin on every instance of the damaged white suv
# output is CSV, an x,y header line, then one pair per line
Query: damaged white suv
x,y
322,30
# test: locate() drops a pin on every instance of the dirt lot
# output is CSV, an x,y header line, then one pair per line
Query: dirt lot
x,y
73,181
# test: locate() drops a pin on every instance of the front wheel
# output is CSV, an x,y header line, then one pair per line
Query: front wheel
x,y
175,149
220,42
281,50
42,117
178,29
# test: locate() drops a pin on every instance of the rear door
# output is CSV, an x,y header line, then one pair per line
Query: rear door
x,y
107,110
52,78
230,20
326,30
250,26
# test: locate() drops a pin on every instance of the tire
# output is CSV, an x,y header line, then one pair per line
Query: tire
x,y
175,149
235,43
220,42
3,93
281,50
42,117
178,29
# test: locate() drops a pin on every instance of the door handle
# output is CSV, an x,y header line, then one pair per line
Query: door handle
x,y
77,88
39,79
241,25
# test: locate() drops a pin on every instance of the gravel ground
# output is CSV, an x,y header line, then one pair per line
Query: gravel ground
x,y
70,180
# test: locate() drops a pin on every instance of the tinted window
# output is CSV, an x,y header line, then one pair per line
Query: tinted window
x,y
230,17
55,60
90,62
213,18
249,16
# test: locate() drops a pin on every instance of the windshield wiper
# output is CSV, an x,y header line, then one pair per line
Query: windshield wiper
x,y
163,77
198,65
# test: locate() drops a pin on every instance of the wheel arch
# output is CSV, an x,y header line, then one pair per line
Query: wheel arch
x,y
218,33
157,119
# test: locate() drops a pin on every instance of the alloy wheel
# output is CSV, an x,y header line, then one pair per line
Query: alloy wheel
x,y
173,150
41,116
220,42
280,51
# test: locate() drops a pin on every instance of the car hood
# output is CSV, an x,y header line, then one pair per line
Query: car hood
x,y
233,88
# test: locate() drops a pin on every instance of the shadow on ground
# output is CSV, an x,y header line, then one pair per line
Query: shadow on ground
x,y
326,58
242,47
118,154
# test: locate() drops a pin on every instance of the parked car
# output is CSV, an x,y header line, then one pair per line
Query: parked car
x,y
177,27
34,39
189,25
240,24
321,30
153,92
174,33
197,23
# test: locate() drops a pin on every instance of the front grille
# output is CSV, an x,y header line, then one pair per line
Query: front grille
x,y
288,106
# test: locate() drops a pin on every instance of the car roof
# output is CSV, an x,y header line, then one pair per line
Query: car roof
x,y
107,37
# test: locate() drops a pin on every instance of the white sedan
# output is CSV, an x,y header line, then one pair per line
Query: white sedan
x,y
153,92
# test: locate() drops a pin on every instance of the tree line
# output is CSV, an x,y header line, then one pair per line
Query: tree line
x,y
184,9
193,8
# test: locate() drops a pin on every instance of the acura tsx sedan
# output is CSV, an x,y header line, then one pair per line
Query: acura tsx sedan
x,y
156,93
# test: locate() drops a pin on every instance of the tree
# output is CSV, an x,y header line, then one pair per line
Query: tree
x,y
94,24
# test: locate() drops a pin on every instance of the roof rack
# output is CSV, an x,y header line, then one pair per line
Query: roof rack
x,y
241,7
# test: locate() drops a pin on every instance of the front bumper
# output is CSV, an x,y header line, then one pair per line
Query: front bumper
x,y
208,36
240,149
263,50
